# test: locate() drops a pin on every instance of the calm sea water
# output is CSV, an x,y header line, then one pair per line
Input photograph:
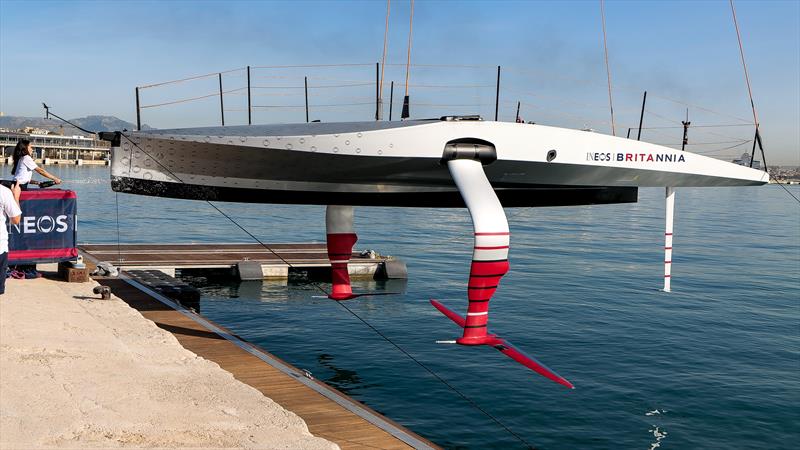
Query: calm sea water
x,y
714,364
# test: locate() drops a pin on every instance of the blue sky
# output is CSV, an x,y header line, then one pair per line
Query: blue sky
x,y
86,58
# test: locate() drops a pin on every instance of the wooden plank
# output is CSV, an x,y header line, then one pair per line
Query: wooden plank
x,y
216,255
324,417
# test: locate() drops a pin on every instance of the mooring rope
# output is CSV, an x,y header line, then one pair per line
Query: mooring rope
x,y
744,65
196,77
119,251
435,375
185,100
787,190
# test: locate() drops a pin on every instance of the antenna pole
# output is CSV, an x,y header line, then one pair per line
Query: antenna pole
x,y
641,117
686,124
517,117
608,69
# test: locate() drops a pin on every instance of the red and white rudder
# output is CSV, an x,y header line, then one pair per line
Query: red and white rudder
x,y
669,216
490,253
341,238
489,264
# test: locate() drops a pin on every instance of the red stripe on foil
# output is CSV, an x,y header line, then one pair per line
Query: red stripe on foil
x,y
499,247
506,233
667,234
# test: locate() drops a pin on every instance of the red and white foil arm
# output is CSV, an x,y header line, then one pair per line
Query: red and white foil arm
x,y
490,254
669,216
341,238
489,264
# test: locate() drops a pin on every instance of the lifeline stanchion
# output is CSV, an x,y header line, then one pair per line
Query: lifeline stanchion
x,y
391,100
221,105
641,117
305,81
497,96
249,104
138,112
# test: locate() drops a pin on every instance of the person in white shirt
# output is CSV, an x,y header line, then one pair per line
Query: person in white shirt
x,y
24,165
9,204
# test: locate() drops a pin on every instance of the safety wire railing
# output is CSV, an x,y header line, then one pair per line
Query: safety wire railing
x,y
350,92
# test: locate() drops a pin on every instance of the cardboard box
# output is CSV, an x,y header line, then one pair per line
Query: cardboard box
x,y
73,275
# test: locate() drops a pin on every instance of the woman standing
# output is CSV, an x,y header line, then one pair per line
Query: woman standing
x,y
24,165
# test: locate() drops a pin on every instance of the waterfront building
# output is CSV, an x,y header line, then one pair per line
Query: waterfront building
x,y
51,148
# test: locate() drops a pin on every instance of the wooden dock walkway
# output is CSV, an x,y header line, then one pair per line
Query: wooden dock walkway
x,y
327,412
171,257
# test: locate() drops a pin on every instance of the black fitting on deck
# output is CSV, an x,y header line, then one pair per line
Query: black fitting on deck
x,y
115,137
469,148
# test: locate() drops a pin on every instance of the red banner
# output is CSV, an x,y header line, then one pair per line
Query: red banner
x,y
48,229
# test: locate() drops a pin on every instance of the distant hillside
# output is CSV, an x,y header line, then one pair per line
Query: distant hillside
x,y
92,123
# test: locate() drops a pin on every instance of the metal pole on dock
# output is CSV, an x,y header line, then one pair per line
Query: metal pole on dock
x,y
377,91
391,100
221,105
249,104
139,113
497,96
305,82
641,117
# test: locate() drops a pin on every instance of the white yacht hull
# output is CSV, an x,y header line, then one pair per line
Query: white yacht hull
x,y
401,164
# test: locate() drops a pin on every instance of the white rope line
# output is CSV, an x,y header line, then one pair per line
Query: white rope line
x,y
408,60
744,65
383,59
196,77
216,94
302,66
